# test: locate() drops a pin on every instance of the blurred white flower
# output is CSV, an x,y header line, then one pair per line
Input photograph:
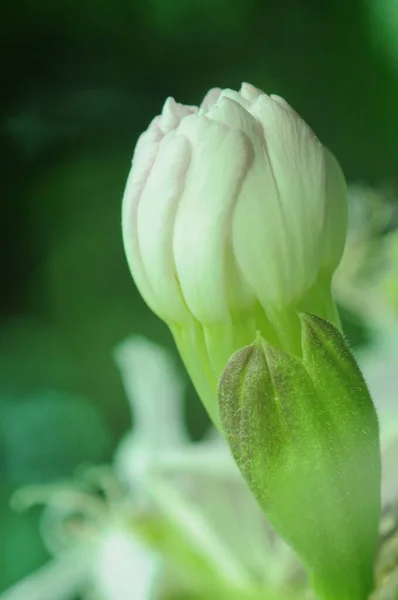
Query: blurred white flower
x,y
61,579
379,365
124,568
194,489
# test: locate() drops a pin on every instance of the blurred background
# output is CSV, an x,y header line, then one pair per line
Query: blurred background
x,y
80,81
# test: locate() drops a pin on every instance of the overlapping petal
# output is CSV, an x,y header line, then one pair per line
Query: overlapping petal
x,y
234,218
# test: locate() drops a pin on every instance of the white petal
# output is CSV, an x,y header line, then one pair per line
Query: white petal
x,y
210,98
282,102
236,96
249,92
289,218
335,227
173,113
155,392
155,221
232,114
220,160
143,161
124,569
66,576
259,234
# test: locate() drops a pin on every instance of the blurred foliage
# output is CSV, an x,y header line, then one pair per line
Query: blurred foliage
x,y
80,81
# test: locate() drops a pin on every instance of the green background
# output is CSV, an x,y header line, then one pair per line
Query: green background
x,y
80,80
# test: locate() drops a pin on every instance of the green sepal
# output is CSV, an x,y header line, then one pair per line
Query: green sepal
x,y
304,434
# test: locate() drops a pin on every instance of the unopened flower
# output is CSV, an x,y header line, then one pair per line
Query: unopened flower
x,y
305,436
234,217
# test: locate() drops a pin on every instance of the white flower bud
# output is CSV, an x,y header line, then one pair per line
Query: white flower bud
x,y
234,217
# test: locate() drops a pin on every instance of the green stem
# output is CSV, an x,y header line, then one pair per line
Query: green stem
x,y
340,584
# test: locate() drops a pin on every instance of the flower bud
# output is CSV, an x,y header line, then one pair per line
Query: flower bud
x,y
234,218
304,434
